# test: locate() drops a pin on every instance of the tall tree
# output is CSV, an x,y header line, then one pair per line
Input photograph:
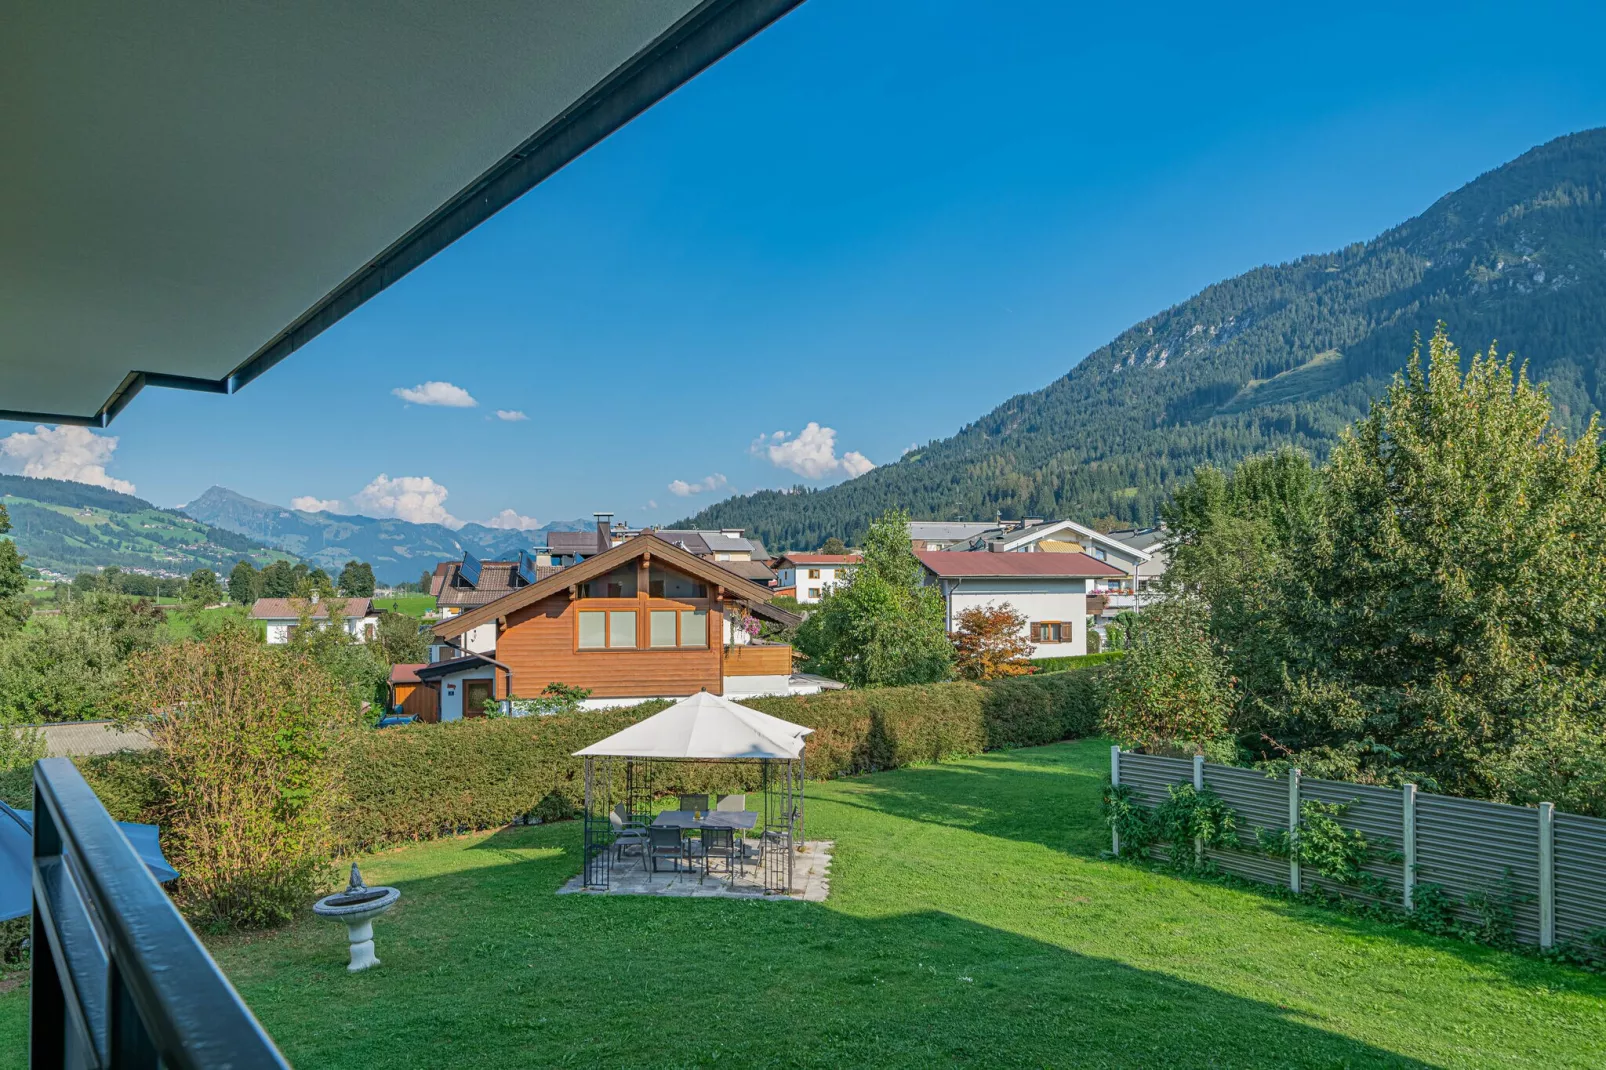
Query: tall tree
x,y
357,580
203,589
884,626
244,583
14,609
279,580
834,545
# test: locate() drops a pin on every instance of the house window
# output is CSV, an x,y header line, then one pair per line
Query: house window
x,y
661,627
607,629
665,583
814,573
814,592
620,583
692,625
1051,631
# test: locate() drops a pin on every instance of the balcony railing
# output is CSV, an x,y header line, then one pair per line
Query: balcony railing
x,y
119,979
758,659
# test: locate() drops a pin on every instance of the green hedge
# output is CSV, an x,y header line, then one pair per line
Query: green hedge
x,y
419,781
1080,661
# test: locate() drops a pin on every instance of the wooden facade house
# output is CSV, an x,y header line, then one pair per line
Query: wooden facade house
x,y
644,619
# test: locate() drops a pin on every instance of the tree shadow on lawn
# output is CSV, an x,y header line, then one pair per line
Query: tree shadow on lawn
x,y
1050,796
1043,795
488,967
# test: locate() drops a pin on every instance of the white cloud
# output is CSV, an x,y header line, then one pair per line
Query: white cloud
x,y
682,489
418,499
435,393
651,504
308,504
63,452
512,416
510,520
811,454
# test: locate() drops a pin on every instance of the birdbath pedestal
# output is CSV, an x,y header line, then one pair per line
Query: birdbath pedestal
x,y
357,907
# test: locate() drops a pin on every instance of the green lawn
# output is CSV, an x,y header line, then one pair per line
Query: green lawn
x,y
414,605
970,922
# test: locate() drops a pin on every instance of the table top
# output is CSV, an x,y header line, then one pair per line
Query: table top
x,y
712,819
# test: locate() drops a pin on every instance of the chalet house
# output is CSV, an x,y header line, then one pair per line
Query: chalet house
x,y
1069,537
809,576
282,616
640,620
1049,589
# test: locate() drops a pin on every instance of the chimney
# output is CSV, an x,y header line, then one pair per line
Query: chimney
x,y
604,530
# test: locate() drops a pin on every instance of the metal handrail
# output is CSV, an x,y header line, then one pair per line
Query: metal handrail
x,y
119,978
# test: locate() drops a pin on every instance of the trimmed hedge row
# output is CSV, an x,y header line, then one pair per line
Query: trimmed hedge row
x,y
1076,661
419,781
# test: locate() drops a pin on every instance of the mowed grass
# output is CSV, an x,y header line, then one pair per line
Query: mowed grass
x,y
971,922
414,605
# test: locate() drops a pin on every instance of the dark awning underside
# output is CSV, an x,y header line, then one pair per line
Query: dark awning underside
x,y
193,190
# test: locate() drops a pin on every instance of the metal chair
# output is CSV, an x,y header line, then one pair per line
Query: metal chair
x,y
731,804
626,833
698,803
721,843
665,842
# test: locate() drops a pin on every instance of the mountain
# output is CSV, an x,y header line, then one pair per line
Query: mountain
x,y
398,549
1282,354
69,527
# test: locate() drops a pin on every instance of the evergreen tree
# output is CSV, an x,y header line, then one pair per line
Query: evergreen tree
x,y
279,580
14,609
244,583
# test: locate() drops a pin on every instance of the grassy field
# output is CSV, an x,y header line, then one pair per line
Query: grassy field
x,y
971,922
414,605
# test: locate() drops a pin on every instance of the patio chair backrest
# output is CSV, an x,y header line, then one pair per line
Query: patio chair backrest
x,y
717,840
694,802
659,837
732,803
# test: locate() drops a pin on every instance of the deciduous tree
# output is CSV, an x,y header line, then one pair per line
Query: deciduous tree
x,y
245,583
991,642
357,580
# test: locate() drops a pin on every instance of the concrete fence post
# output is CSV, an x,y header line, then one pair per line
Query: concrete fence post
x,y
1115,781
1408,838
1198,785
1547,874
1293,831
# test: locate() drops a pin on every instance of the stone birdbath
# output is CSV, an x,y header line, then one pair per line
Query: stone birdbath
x,y
358,906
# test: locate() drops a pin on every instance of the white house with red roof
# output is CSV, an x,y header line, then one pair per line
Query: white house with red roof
x,y
282,616
1049,589
812,574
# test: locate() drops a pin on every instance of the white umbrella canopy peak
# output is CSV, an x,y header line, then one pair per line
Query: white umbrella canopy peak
x,y
708,727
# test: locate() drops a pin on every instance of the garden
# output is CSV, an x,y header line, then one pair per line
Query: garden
x,y
972,919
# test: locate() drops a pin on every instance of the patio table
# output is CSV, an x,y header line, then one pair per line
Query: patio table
x,y
740,820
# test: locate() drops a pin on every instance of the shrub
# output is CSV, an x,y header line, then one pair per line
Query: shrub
x,y
1077,661
242,772
1171,689
991,643
555,805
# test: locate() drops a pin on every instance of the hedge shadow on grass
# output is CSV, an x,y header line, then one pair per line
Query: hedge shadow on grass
x,y
502,972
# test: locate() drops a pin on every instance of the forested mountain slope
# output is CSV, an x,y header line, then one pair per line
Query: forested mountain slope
x,y
1283,354
70,527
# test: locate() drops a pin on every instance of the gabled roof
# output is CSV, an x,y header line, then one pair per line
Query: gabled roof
x,y
818,559
1042,531
497,578
290,608
574,542
757,571
406,673
972,564
601,565
948,531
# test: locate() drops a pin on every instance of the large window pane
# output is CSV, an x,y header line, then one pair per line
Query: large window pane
x,y
593,635
663,627
621,629
694,627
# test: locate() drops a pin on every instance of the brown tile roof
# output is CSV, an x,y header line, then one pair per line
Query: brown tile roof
x,y
757,571
290,608
497,578
406,674
961,563
574,542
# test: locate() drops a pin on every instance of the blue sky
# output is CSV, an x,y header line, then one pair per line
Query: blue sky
x,y
881,219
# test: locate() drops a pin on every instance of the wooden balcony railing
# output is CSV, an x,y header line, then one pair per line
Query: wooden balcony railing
x,y
758,659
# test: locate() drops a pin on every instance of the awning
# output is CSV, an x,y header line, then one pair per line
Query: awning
x,y
194,190
708,727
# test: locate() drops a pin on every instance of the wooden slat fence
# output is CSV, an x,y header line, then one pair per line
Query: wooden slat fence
x,y
1550,867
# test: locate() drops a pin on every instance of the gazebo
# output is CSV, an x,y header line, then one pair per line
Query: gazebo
x,y
761,755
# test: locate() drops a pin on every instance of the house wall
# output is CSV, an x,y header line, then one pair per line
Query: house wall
x,y
810,591
416,699
357,627
539,644
452,690
1036,599
481,640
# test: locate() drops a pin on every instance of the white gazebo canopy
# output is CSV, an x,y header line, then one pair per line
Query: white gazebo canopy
x,y
705,726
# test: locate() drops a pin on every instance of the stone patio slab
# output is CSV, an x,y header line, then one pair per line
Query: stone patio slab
x,y
811,880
